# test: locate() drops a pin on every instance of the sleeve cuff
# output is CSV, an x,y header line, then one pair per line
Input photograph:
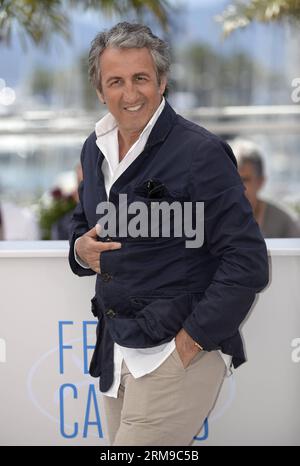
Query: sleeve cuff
x,y
199,336
77,258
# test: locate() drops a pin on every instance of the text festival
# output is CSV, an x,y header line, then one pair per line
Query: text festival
x,y
67,390
92,419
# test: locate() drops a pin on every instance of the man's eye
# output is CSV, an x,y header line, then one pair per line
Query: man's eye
x,y
113,83
140,78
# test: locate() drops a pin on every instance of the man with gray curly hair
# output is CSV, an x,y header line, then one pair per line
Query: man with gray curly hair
x,y
274,220
128,36
168,314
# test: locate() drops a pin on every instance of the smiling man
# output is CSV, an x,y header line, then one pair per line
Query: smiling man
x,y
131,89
169,315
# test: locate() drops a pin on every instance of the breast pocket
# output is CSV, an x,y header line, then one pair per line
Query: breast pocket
x,y
154,190
156,211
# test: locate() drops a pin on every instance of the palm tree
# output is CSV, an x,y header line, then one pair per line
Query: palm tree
x,y
38,19
240,13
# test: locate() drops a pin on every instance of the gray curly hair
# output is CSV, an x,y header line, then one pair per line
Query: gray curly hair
x,y
128,35
247,151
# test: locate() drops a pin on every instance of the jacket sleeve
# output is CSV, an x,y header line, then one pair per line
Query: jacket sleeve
x,y
78,226
231,235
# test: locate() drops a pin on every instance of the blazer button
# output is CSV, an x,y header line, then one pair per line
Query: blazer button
x,y
106,277
110,313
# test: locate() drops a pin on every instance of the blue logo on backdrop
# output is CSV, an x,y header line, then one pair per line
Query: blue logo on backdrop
x,y
92,409
92,413
205,433
68,397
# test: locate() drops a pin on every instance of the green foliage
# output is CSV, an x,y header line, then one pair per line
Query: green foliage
x,y
49,214
42,81
36,19
39,19
220,80
241,13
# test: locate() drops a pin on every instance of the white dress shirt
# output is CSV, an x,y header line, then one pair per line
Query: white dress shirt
x,y
140,361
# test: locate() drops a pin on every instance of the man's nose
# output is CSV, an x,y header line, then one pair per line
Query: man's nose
x,y
130,93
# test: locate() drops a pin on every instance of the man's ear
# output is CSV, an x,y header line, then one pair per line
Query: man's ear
x,y
261,182
100,96
163,84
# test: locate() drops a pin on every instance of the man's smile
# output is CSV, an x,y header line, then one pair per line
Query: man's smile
x,y
133,108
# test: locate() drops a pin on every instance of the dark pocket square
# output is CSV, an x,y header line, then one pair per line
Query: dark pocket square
x,y
152,189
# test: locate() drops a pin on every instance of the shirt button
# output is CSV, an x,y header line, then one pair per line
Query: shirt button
x,y
106,277
110,313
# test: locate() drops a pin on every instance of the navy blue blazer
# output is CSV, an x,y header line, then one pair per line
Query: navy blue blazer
x,y
152,287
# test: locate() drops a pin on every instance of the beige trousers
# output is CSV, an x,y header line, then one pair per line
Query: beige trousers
x,y
167,406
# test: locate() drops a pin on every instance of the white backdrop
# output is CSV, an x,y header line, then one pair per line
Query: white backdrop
x,y
47,334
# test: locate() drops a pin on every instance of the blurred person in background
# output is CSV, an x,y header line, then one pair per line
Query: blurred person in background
x,y
273,221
